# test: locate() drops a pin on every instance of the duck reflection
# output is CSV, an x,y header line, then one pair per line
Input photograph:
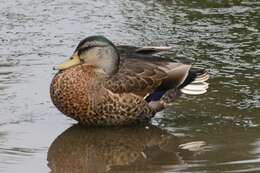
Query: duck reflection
x,y
94,150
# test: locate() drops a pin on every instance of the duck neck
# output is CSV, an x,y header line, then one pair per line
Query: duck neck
x,y
110,61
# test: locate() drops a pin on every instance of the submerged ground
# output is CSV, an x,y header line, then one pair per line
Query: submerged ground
x,y
222,36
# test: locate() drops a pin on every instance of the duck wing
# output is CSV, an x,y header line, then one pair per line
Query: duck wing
x,y
141,72
136,76
139,51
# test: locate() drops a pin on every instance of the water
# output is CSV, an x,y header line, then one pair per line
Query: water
x,y
222,36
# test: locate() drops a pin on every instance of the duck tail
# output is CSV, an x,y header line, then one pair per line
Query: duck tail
x,y
183,79
195,82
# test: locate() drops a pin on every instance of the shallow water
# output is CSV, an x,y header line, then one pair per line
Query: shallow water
x,y
222,36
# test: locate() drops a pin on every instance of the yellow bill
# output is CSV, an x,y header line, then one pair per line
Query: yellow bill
x,y
72,61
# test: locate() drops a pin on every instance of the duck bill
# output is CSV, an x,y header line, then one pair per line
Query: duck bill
x,y
72,61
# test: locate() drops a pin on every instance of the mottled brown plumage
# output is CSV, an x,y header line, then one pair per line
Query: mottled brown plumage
x,y
80,94
105,85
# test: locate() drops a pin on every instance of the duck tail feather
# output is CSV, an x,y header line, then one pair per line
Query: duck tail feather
x,y
196,84
195,88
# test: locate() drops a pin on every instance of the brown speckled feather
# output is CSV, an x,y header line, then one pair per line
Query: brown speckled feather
x,y
79,93
136,76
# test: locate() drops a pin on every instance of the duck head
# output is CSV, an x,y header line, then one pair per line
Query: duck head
x,y
96,51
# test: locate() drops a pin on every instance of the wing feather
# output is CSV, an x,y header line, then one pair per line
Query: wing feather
x,y
136,76
144,74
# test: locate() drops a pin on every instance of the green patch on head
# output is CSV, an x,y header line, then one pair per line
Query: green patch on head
x,y
92,40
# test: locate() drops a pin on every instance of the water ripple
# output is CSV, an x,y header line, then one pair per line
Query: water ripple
x,y
221,36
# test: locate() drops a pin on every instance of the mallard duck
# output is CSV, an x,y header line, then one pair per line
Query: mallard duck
x,y
106,85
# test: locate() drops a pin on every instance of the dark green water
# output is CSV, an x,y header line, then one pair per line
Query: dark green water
x,y
222,36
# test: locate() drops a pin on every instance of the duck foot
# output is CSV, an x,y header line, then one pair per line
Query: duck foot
x,y
170,96
157,106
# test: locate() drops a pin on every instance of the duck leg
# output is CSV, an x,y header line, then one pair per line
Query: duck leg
x,y
157,106
166,100
170,96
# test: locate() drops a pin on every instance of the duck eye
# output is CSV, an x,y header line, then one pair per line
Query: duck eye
x,y
85,49
71,58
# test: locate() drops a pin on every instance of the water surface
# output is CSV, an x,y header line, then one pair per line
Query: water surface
x,y
222,36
